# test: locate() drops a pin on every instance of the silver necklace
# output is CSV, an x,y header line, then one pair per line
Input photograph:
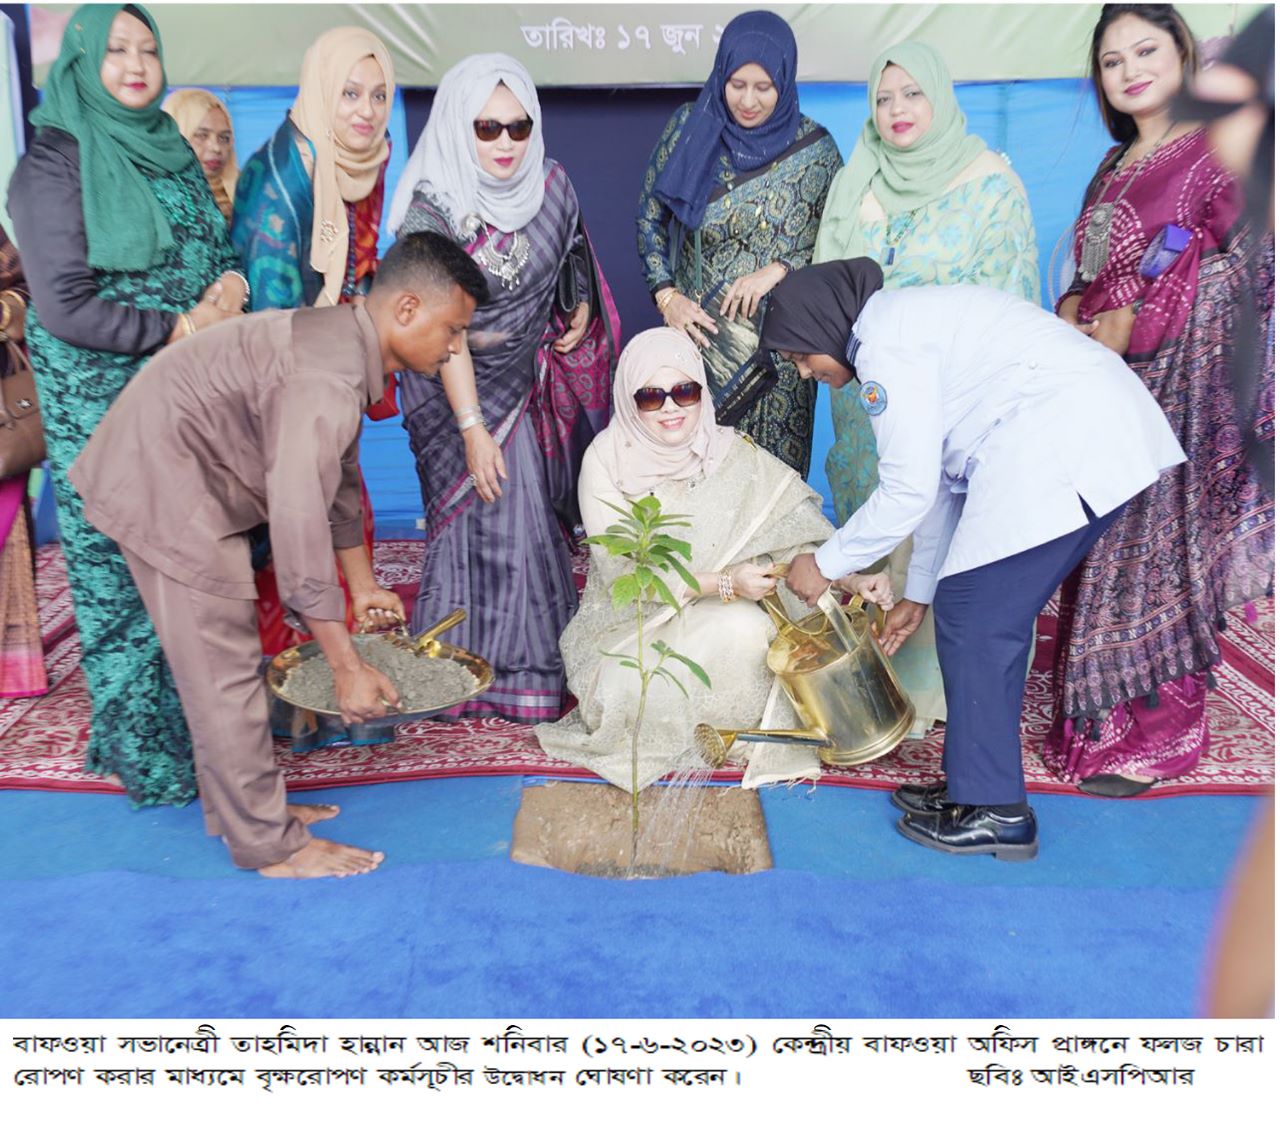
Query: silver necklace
x,y
1097,229
506,267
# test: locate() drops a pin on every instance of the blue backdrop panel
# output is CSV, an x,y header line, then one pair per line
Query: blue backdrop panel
x,y
1050,130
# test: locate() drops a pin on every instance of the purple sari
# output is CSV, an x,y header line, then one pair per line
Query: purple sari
x,y
508,562
1140,615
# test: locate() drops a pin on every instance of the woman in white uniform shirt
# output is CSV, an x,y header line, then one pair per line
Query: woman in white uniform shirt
x,y
1007,444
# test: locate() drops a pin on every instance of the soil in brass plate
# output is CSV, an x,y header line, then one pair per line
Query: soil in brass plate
x,y
424,682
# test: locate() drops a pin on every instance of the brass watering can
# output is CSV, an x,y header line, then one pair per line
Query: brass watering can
x,y
837,678
832,669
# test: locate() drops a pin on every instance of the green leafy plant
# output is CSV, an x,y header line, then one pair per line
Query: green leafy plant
x,y
641,536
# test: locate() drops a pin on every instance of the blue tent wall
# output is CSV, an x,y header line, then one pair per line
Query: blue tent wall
x,y
1050,129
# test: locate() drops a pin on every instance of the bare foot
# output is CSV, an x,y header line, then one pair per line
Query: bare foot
x,y
319,858
310,814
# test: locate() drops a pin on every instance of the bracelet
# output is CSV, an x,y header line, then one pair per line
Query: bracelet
x,y
665,300
469,420
467,410
188,324
725,585
238,275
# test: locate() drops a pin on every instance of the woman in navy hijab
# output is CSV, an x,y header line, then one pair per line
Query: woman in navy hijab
x,y
731,202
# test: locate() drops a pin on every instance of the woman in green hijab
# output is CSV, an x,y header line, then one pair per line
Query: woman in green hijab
x,y
933,206
125,251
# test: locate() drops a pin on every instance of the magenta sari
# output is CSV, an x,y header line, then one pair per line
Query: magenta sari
x,y
1139,617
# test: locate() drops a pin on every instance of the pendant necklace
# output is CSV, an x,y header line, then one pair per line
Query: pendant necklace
x,y
889,252
505,267
1097,229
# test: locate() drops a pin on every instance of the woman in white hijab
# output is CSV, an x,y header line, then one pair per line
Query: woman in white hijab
x,y
498,439
746,509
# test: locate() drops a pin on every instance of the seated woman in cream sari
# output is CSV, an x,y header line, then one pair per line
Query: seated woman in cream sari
x,y
746,510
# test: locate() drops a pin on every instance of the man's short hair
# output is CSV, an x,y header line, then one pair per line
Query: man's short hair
x,y
427,261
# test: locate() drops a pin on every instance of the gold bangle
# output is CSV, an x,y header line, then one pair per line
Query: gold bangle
x,y
188,324
666,300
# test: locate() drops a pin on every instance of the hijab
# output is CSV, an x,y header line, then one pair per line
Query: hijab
x,y
689,176
634,458
813,309
340,175
126,228
444,164
188,108
902,179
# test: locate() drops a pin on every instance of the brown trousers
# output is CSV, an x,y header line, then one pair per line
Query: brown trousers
x,y
212,647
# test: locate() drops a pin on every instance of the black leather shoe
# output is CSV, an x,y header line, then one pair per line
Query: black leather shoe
x,y
922,799
970,830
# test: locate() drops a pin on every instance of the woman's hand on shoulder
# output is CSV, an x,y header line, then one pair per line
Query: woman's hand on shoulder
x,y
752,581
569,340
744,296
485,462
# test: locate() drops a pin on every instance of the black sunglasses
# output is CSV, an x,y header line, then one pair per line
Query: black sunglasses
x,y
684,395
490,129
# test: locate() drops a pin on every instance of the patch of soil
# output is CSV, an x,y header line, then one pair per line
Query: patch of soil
x,y
585,827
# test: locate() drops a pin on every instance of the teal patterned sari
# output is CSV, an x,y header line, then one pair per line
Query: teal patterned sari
x,y
752,219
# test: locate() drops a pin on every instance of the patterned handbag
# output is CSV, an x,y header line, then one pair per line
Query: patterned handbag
x,y
737,342
21,432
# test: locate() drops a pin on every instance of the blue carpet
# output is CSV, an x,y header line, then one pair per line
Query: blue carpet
x,y
108,912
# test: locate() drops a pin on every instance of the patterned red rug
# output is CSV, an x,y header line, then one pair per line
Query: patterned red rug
x,y
42,740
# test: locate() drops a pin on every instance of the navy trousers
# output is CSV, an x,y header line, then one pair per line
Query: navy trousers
x,y
985,619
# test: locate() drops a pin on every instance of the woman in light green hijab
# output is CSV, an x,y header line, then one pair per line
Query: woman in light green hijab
x,y
932,205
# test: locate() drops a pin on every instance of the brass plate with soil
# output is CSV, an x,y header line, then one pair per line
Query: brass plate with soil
x,y
585,827
283,666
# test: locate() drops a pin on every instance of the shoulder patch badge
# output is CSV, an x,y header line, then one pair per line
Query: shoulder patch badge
x,y
874,399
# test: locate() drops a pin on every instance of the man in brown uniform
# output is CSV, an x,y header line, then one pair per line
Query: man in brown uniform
x,y
258,420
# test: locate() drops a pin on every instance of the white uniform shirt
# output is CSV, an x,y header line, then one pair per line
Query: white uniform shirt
x,y
995,419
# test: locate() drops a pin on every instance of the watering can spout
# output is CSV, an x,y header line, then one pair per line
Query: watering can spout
x,y
712,743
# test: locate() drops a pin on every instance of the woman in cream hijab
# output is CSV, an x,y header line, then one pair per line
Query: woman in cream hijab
x,y
319,179
313,188
930,203
205,122
746,509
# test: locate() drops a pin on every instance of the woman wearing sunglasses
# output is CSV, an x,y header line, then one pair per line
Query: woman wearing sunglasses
x,y
497,464
730,203
746,510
